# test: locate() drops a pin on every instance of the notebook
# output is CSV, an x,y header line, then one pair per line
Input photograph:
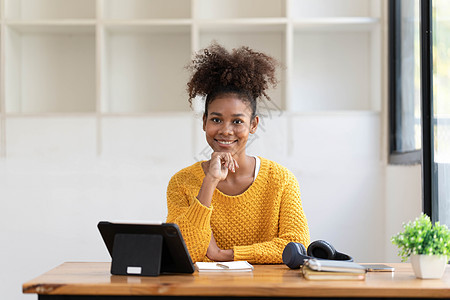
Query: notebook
x,y
328,275
228,266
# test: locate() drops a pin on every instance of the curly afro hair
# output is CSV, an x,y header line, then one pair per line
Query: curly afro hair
x,y
243,72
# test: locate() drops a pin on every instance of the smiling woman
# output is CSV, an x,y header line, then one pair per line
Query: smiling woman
x,y
235,206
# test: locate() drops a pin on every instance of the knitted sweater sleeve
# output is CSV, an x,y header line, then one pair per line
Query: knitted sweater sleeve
x,y
292,227
192,217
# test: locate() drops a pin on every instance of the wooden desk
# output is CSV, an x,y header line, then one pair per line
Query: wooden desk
x,y
275,281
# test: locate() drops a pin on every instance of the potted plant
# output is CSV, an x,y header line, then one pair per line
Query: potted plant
x,y
427,245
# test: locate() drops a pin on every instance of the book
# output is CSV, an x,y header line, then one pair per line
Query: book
x,y
228,266
335,266
310,274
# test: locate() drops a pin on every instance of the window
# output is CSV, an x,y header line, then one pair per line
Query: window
x,y
419,58
404,79
440,112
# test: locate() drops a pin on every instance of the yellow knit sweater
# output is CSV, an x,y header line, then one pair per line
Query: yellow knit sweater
x,y
256,224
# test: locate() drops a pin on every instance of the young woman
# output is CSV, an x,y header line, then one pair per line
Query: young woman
x,y
234,206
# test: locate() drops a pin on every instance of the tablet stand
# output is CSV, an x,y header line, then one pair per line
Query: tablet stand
x,y
136,254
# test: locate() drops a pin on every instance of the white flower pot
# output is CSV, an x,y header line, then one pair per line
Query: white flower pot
x,y
429,266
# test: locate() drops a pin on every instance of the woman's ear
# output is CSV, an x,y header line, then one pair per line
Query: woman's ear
x,y
204,121
254,124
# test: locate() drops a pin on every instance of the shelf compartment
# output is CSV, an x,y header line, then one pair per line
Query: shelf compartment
x,y
319,63
49,9
270,41
143,68
146,9
333,8
50,69
230,9
49,137
351,24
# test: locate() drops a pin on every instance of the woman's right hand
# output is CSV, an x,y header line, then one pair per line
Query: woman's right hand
x,y
220,164
216,170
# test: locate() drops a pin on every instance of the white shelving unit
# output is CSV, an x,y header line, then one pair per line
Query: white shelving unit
x,y
98,59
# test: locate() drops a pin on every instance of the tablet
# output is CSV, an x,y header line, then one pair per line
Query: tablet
x,y
378,268
174,256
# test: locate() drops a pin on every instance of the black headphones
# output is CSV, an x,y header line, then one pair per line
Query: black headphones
x,y
295,254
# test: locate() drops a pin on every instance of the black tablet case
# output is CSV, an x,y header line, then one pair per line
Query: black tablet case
x,y
137,254
146,249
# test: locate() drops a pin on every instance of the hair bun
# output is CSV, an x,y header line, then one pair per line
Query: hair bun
x,y
243,69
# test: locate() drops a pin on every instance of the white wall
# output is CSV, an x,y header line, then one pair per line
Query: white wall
x,y
403,202
336,159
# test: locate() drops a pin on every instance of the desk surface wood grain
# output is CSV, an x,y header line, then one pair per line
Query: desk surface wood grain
x,y
78,278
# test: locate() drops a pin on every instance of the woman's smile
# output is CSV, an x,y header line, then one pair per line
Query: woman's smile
x,y
225,142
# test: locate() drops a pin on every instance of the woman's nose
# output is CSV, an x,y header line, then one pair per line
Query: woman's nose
x,y
226,129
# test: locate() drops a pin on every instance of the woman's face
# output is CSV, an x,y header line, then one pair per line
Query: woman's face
x,y
228,124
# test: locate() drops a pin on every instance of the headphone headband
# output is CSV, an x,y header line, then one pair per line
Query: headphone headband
x,y
295,254
343,256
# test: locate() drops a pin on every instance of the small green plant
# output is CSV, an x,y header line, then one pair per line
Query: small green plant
x,y
421,237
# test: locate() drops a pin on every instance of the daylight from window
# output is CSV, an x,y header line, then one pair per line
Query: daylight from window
x,y
441,80
441,105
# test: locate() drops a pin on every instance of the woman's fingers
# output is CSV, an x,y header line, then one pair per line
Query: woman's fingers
x,y
225,160
230,162
236,164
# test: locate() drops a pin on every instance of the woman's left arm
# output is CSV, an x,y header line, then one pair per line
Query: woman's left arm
x,y
292,227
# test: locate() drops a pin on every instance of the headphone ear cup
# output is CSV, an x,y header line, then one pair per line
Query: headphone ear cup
x,y
294,255
321,249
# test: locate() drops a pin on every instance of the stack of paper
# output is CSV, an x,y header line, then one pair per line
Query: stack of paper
x,y
229,266
315,269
